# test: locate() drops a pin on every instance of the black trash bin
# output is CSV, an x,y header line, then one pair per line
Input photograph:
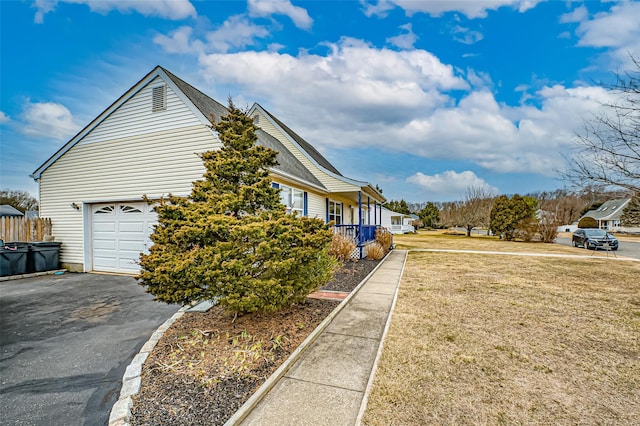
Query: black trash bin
x,y
13,259
43,256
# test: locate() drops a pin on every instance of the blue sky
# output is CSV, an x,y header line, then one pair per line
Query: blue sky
x,y
423,98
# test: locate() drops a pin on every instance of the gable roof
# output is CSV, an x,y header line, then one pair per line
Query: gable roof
x,y
314,156
8,210
288,163
202,105
610,210
385,209
309,149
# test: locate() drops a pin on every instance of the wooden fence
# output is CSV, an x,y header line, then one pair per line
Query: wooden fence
x,y
21,229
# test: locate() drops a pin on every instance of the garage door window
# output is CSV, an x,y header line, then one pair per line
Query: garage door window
x,y
106,210
129,209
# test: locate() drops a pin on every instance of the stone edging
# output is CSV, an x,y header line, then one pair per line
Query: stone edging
x,y
31,275
121,411
131,381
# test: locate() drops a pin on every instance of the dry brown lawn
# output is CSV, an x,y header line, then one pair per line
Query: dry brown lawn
x,y
493,339
439,240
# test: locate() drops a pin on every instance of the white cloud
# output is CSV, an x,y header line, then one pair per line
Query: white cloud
x,y
360,96
4,118
406,40
450,182
354,78
266,8
379,9
168,9
178,41
579,14
48,119
617,30
466,35
236,32
42,8
471,8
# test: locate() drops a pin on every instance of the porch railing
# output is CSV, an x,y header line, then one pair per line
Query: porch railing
x,y
359,234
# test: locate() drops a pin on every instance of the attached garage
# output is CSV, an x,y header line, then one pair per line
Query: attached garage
x,y
119,233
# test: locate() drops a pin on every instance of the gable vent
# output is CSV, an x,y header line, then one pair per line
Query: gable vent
x,y
159,98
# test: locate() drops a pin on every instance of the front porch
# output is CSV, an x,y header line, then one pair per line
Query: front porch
x,y
361,235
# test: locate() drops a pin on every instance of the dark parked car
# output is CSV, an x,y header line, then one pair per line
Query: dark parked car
x,y
594,239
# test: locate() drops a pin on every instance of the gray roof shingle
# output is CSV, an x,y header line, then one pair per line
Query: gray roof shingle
x,y
611,210
8,210
204,103
288,163
305,145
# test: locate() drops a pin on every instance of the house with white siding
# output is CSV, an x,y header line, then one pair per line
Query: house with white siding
x,y
397,223
609,214
147,143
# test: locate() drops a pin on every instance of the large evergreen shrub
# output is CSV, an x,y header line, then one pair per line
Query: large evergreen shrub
x,y
507,213
231,240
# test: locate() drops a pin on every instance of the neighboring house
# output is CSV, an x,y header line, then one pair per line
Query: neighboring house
x,y
148,143
397,223
8,210
568,228
608,214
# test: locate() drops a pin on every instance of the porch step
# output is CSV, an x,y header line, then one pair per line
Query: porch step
x,y
328,294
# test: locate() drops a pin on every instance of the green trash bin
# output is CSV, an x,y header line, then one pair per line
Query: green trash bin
x,y
13,259
43,256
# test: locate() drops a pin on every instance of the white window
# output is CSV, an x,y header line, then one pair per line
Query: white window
x,y
293,199
335,212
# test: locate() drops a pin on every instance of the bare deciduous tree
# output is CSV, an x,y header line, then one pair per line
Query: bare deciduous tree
x,y
471,212
608,149
21,200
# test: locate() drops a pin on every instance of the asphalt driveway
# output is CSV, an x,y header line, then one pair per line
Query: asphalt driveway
x,y
65,344
627,248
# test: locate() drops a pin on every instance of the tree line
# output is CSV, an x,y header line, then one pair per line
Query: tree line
x,y
526,217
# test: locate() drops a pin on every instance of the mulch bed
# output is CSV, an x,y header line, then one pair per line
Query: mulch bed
x,y
208,364
350,275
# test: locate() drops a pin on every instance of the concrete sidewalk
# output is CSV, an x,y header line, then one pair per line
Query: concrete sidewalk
x,y
328,383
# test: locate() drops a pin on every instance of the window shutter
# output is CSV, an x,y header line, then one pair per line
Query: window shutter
x,y
275,185
326,210
306,204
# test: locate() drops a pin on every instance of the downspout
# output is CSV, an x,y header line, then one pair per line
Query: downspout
x,y
368,210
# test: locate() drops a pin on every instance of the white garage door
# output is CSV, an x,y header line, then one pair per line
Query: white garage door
x,y
119,233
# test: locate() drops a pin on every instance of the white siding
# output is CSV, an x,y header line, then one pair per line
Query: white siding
x,y
135,117
153,164
317,206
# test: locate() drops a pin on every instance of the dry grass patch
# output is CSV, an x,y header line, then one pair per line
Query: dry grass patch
x,y
439,240
478,339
